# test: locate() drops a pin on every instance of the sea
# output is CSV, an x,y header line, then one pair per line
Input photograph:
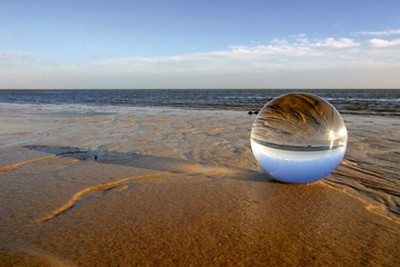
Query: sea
x,y
384,102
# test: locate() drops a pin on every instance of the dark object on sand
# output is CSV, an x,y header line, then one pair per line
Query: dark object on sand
x,y
253,112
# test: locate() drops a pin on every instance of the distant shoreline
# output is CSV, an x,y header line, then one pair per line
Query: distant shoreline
x,y
356,101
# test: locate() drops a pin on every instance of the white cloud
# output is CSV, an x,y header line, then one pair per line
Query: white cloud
x,y
376,33
381,43
274,48
337,43
272,51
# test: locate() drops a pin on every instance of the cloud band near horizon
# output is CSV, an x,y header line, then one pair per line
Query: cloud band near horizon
x,y
294,62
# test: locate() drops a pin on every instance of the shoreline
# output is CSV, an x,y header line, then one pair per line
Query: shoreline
x,y
162,107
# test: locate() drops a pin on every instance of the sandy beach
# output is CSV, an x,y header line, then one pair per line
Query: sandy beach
x,y
158,186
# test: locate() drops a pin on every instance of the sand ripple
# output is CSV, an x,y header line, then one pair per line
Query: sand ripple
x,y
100,187
17,255
22,163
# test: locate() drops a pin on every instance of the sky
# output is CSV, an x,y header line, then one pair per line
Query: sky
x,y
55,44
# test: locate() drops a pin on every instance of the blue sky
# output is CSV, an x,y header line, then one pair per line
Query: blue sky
x,y
199,44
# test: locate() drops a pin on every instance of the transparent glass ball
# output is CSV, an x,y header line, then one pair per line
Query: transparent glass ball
x,y
298,138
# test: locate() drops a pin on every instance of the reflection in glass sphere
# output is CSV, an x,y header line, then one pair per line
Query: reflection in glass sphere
x,y
298,138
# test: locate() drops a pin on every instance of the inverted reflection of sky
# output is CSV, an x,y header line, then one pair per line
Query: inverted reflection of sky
x,y
297,166
299,138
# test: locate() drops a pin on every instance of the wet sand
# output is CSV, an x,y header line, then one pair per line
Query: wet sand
x,y
162,186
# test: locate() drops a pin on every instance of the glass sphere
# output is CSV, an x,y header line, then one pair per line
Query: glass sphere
x,y
298,138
